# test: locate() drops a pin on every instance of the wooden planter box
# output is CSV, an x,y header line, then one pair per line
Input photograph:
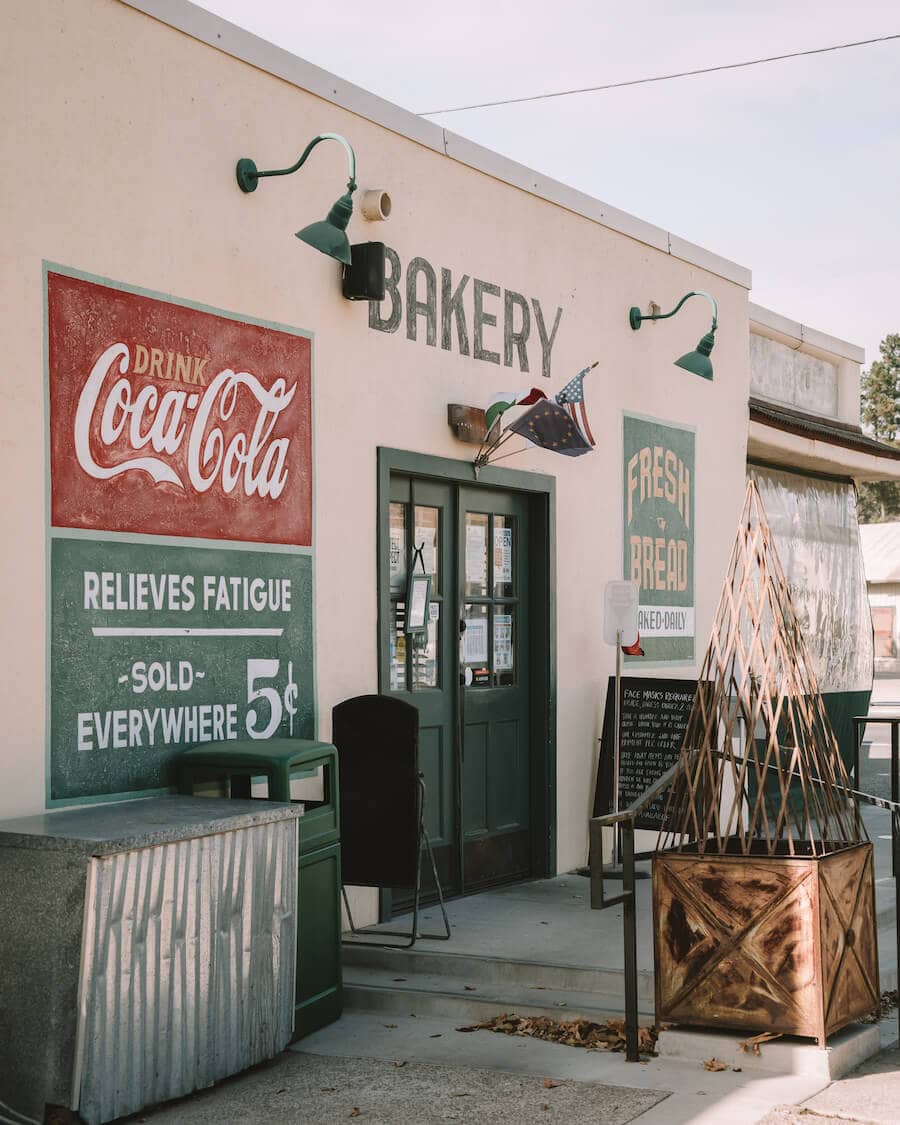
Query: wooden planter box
x,y
760,943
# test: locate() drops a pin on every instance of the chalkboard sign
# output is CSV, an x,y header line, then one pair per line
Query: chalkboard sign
x,y
654,717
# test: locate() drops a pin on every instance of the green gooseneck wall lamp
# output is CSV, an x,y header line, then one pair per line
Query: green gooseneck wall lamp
x,y
330,235
697,361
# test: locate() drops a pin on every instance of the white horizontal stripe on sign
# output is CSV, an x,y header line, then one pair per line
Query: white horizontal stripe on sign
x,y
666,620
180,631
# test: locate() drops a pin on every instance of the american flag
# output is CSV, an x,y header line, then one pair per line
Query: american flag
x,y
572,397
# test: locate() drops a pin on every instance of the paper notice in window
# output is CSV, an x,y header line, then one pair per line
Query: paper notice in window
x,y
424,538
398,567
475,641
475,554
503,657
502,554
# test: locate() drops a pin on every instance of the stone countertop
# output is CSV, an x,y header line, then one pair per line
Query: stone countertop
x,y
127,825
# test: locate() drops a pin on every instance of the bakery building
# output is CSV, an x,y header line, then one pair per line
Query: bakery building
x,y
223,471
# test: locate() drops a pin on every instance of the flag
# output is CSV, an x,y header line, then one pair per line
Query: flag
x,y
635,649
572,396
503,400
550,426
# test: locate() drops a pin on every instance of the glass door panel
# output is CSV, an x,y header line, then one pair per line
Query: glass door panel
x,y
494,708
422,669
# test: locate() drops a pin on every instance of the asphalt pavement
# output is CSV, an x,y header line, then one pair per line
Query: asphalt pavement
x,y
321,1090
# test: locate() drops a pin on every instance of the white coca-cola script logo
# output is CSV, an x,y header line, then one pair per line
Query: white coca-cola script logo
x,y
162,421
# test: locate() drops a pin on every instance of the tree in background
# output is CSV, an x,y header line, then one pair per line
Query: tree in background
x,y
880,414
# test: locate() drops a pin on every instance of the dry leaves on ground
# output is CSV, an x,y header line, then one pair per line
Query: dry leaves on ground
x,y
886,1005
609,1036
714,1064
751,1046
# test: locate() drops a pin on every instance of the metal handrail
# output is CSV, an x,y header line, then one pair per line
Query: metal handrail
x,y
625,818
647,797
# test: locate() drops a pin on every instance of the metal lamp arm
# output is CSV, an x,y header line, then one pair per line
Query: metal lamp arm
x,y
248,174
636,316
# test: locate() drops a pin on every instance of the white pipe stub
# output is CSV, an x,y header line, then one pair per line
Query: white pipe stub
x,y
375,205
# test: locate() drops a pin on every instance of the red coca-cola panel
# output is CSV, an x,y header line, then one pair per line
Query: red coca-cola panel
x,y
173,421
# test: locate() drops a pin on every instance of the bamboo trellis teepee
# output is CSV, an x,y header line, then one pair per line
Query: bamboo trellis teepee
x,y
761,770
763,890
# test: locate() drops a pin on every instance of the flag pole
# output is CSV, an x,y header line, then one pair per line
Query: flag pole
x,y
485,453
483,447
512,453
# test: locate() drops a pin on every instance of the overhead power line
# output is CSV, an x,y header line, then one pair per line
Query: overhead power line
x,y
660,77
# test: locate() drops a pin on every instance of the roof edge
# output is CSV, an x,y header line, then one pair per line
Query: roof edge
x,y
829,430
802,334
241,44
806,452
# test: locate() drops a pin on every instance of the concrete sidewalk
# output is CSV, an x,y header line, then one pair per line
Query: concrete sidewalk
x,y
870,1096
420,1070
322,1090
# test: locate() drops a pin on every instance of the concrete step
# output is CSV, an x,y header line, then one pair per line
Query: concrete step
x,y
429,994
846,1049
501,974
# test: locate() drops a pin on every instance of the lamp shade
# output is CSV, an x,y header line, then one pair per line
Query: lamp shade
x,y
329,236
698,361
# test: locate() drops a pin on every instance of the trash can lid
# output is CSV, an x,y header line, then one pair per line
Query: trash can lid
x,y
255,752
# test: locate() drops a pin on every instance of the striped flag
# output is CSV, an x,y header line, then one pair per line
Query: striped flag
x,y
572,397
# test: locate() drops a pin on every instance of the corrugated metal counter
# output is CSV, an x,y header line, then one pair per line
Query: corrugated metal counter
x,y
147,949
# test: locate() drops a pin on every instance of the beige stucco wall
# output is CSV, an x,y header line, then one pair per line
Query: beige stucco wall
x,y
123,134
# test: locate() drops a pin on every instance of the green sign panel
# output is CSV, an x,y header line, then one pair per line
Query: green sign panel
x,y
155,648
658,539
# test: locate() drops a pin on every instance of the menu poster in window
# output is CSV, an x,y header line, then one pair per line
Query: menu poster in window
x,y
658,535
398,568
476,538
654,717
475,641
180,591
417,603
502,554
503,661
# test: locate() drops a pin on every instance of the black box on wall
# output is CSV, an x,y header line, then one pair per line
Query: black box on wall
x,y
363,279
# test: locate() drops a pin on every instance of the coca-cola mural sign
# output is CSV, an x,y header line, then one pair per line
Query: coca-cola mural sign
x,y
180,595
173,420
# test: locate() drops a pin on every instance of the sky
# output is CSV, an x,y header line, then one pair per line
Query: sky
x,y
791,169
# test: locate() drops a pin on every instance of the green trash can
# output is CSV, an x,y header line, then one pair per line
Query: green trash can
x,y
281,761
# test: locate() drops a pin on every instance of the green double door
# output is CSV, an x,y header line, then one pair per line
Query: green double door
x,y
469,676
